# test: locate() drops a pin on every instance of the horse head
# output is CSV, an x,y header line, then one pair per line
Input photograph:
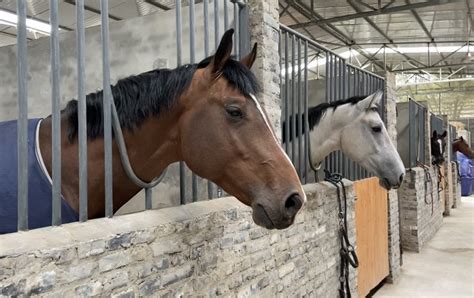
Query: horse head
x,y
365,140
438,147
226,137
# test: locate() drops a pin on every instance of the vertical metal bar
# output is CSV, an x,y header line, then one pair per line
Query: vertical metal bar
x,y
22,131
334,78
82,114
306,121
244,32
192,56
148,198
192,26
179,61
55,114
287,98
338,79
226,15
216,24
206,28
328,93
300,115
237,31
293,90
210,185
107,93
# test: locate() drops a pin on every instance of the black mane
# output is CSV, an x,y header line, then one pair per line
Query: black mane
x,y
316,113
149,94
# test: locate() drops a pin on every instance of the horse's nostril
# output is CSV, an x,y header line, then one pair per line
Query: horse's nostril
x,y
293,204
401,178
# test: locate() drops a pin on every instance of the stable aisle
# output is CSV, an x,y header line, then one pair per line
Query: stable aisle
x,y
445,266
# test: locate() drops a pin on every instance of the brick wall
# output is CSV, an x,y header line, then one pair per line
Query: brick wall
x,y
393,206
209,248
421,217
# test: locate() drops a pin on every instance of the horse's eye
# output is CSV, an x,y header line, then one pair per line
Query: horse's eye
x,y
377,129
234,112
374,109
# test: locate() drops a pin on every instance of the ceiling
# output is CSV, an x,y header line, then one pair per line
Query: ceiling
x,y
380,33
428,38
118,10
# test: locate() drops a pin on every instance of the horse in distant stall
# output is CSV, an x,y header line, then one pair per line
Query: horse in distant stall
x,y
355,127
460,145
204,114
438,147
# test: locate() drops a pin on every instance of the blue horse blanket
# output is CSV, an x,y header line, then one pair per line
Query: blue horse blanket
x,y
39,185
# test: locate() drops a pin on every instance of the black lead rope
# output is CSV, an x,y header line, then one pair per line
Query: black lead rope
x,y
429,180
347,252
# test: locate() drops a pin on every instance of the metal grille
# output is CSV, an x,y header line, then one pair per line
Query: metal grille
x,y
417,132
308,65
453,134
232,8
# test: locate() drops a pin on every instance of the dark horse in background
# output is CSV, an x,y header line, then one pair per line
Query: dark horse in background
x,y
460,145
204,114
438,147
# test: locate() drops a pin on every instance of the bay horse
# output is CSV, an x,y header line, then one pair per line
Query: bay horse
x,y
204,114
460,145
355,127
438,147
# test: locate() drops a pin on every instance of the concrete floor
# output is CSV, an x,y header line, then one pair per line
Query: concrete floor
x,y
445,266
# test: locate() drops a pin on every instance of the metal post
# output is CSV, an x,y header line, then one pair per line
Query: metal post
x,y
328,92
210,186
148,198
300,114
55,115
22,132
287,98
216,24
237,31
107,107
192,53
226,15
179,51
82,114
206,28
306,121
293,112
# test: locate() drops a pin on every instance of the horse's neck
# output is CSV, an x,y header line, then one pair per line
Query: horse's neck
x,y
464,150
326,135
151,148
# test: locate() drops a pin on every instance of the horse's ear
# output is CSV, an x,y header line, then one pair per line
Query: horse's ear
x,y
445,133
223,52
250,58
435,134
371,101
461,138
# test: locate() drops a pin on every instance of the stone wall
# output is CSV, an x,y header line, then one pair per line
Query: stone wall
x,y
394,253
421,216
206,249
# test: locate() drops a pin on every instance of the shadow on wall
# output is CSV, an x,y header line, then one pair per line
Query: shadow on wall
x,y
136,45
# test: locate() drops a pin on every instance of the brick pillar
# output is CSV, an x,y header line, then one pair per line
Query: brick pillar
x,y
264,30
393,203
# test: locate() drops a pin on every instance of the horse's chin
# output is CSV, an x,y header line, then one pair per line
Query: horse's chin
x,y
386,184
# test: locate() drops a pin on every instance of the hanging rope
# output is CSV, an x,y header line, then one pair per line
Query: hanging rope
x,y
347,252
428,179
